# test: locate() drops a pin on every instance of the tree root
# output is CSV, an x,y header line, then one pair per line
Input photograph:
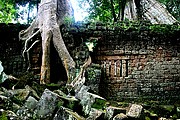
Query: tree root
x,y
80,79
26,49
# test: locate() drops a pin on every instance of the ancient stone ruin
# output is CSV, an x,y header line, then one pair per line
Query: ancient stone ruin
x,y
131,61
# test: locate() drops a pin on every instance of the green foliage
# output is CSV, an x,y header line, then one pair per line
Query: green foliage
x,y
3,117
7,11
147,118
164,29
112,10
68,20
60,103
99,104
10,9
101,10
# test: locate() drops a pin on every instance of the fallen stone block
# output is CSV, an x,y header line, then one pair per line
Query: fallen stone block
x,y
135,111
67,114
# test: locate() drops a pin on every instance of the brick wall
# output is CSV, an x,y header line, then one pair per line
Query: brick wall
x,y
11,49
136,63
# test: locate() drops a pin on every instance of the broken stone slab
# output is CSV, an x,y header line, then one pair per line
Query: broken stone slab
x,y
111,111
120,116
24,113
27,111
89,100
135,111
71,102
67,114
31,103
46,105
95,114
67,101
59,92
20,94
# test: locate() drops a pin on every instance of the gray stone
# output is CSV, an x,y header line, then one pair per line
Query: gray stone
x,y
67,114
94,114
89,100
46,105
135,111
31,103
111,111
25,113
70,102
21,94
120,116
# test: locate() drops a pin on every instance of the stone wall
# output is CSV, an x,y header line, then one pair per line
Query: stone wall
x,y
138,60
11,49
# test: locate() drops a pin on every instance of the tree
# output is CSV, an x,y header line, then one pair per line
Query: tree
x,y
119,10
109,10
51,14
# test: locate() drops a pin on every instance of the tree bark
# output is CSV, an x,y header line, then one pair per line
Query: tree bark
x,y
51,14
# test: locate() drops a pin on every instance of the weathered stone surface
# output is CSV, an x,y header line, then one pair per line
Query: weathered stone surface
x,y
135,111
46,105
120,116
95,114
67,114
31,103
59,92
111,111
70,102
89,100
26,112
21,94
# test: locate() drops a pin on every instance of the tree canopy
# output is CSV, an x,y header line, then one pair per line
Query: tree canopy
x,y
10,9
113,10
100,10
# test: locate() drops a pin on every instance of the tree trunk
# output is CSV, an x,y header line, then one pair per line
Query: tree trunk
x,y
50,16
113,11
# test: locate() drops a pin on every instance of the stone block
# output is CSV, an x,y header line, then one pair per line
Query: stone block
x,y
67,114
120,116
111,111
46,105
135,111
95,114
